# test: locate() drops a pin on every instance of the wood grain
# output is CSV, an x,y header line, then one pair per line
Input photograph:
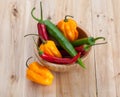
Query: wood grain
x,y
102,20
99,17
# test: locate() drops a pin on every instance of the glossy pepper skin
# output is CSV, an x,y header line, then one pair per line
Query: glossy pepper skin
x,y
87,41
60,61
50,48
68,28
39,74
42,31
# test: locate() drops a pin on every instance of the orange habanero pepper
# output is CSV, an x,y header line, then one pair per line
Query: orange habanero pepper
x,y
38,73
69,28
50,48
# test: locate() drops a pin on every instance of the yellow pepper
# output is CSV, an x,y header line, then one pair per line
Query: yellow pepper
x,y
39,74
50,48
69,28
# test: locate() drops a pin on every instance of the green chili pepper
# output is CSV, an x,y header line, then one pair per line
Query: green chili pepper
x,y
87,41
55,33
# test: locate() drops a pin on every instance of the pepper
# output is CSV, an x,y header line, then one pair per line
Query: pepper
x,y
38,73
42,31
59,60
40,25
87,41
56,59
49,47
69,28
57,34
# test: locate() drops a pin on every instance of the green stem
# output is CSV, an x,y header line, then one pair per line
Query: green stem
x,y
99,38
31,34
43,41
34,16
100,43
86,47
27,62
39,20
66,20
41,11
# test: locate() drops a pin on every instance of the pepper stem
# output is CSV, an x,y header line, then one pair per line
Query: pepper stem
x,y
43,41
34,16
27,62
31,34
100,43
37,19
93,40
99,38
66,20
86,47
41,11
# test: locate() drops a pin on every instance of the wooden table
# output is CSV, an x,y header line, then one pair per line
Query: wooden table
x,y
99,17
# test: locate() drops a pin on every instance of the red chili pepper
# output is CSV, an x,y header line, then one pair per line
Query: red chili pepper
x,y
41,26
42,31
59,60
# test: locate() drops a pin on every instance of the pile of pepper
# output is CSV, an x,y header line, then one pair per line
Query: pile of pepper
x,y
65,33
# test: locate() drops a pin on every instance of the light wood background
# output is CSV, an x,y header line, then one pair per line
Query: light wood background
x,y
99,17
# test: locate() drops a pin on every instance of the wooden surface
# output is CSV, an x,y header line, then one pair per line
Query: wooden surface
x,y
99,17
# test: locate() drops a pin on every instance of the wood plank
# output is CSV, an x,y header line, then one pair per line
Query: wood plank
x,y
116,44
102,13
11,46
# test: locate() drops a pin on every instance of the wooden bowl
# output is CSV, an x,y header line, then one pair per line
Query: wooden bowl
x,y
63,67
